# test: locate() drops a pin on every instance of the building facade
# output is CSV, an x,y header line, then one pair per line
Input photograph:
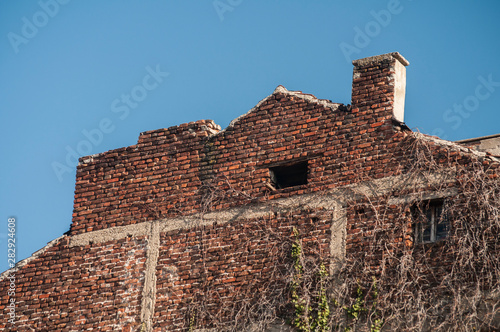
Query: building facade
x,y
299,204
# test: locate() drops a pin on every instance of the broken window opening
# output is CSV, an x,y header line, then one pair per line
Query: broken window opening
x,y
289,175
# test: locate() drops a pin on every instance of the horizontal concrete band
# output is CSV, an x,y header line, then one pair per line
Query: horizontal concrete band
x,y
329,200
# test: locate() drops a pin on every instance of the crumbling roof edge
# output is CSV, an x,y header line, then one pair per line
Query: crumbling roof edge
x,y
455,146
25,261
281,89
468,140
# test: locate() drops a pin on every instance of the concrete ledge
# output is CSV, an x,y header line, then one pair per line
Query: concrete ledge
x,y
477,139
380,58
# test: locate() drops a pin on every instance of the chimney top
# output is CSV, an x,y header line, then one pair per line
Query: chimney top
x,y
381,79
379,58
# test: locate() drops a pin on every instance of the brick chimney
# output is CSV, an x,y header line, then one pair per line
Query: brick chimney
x,y
379,84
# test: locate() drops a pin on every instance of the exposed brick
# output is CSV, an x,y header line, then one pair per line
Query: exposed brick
x,y
169,174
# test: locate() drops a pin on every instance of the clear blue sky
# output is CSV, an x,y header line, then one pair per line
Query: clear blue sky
x,y
68,67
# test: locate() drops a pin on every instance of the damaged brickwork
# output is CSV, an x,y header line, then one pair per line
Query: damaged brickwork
x,y
190,226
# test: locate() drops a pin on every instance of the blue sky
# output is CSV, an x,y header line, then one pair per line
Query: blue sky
x,y
83,77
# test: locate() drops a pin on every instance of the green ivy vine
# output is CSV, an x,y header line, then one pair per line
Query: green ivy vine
x,y
315,316
305,318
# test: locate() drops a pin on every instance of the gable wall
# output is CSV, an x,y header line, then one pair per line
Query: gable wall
x,y
183,223
118,238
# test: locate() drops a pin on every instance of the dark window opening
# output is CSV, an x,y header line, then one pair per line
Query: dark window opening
x,y
289,175
431,224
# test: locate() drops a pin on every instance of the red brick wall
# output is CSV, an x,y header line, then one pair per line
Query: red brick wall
x,y
94,287
167,167
114,188
166,174
169,173
219,269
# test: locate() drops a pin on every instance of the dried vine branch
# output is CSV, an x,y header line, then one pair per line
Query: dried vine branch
x,y
391,282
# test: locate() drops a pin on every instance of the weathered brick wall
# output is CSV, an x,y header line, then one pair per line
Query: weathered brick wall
x,y
115,188
434,171
167,167
186,221
219,269
93,287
